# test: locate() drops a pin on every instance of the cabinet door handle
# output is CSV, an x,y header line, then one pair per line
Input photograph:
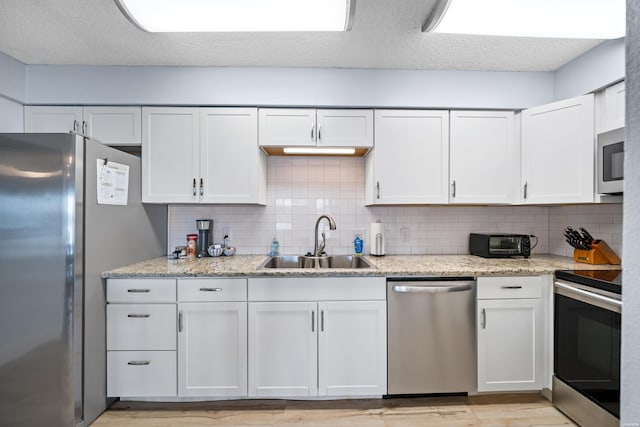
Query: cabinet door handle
x,y
312,129
321,320
453,189
319,132
195,192
138,316
484,319
180,321
211,289
139,290
84,127
201,187
313,321
378,190
526,184
139,362
512,287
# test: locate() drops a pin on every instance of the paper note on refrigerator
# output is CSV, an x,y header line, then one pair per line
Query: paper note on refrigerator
x,y
113,183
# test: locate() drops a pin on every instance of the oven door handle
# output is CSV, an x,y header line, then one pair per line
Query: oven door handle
x,y
587,297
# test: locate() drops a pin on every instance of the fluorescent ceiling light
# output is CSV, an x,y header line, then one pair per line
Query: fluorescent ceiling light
x,y
581,19
239,15
319,150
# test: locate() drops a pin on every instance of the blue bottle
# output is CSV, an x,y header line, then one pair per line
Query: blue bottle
x,y
357,245
275,248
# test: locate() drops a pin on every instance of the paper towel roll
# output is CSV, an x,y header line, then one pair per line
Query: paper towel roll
x,y
376,239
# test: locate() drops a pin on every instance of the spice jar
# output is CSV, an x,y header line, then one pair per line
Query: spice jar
x,y
192,240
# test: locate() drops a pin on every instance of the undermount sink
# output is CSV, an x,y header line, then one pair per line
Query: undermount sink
x,y
335,261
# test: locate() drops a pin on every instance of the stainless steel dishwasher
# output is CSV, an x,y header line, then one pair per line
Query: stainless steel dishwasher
x,y
431,335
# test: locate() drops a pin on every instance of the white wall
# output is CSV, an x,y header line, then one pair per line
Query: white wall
x,y
12,78
48,84
11,116
630,406
597,68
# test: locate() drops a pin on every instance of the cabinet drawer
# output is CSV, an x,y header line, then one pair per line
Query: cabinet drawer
x,y
212,290
509,287
141,290
141,327
141,373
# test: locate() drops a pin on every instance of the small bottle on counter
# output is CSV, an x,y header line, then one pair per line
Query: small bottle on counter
x,y
192,242
275,248
358,243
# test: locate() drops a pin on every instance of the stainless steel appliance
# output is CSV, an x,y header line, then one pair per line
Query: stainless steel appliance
x,y
500,245
205,230
57,240
610,157
587,313
431,335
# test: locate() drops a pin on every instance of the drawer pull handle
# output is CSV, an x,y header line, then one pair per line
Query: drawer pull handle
x,y
512,287
138,316
139,362
139,290
484,318
211,289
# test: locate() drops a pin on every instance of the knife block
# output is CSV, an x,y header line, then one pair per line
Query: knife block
x,y
600,253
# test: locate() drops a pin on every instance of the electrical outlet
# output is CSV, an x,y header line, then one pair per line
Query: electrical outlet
x,y
226,231
405,234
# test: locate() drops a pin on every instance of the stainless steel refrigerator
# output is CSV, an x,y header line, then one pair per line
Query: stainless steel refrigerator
x,y
55,240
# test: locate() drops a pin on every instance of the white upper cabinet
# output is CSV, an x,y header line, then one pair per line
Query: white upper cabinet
x,y
170,155
280,127
232,166
558,152
42,119
109,125
202,155
410,162
114,125
345,128
484,157
610,108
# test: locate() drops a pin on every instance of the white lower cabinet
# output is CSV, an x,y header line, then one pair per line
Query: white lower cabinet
x,y
510,334
212,349
333,345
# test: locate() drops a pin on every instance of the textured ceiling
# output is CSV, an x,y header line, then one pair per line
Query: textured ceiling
x,y
385,34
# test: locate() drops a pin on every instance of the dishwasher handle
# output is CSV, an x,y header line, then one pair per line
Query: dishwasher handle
x,y
431,289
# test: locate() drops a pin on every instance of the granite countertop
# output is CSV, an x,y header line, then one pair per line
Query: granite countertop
x,y
388,266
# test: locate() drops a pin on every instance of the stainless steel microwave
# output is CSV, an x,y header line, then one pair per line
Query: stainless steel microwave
x,y
610,157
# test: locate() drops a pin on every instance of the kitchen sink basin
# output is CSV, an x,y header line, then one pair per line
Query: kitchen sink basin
x,y
335,261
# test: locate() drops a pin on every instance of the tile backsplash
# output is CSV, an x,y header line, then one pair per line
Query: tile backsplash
x,y
303,188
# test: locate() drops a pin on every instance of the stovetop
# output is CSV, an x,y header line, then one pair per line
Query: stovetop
x,y
607,280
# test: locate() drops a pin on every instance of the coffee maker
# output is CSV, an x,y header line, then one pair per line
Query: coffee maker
x,y
205,231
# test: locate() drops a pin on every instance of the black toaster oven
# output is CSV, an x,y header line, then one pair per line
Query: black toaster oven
x,y
500,245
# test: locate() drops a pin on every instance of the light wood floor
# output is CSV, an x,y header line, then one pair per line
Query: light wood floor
x,y
487,411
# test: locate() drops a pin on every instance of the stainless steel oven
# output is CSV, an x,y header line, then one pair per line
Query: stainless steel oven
x,y
586,382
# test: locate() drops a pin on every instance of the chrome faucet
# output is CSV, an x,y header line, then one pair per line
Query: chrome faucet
x,y
319,247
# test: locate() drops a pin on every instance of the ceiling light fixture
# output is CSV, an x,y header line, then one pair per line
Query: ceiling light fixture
x,y
581,19
238,15
319,151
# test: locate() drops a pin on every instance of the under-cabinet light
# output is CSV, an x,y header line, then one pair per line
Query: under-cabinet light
x,y
319,151
581,19
238,15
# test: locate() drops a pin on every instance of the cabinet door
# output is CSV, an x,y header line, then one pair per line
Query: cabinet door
x,y
212,349
283,345
114,125
610,108
232,166
286,127
345,128
52,119
170,155
510,344
558,152
411,157
484,159
352,349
